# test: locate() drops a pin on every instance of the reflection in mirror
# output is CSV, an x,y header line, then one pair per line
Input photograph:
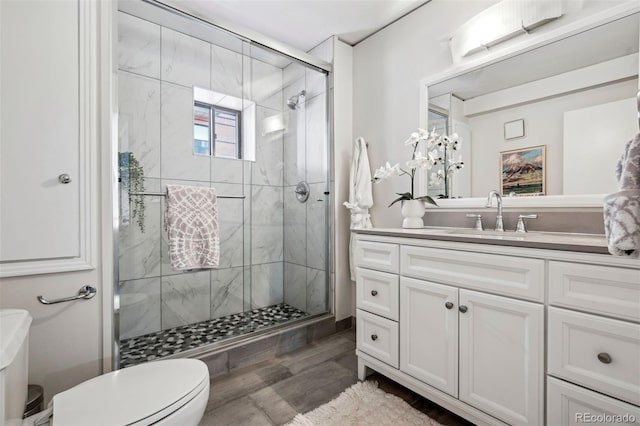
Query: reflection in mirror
x,y
445,116
223,125
575,97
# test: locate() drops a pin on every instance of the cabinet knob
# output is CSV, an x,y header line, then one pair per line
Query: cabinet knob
x,y
448,305
462,308
64,178
374,337
604,358
374,292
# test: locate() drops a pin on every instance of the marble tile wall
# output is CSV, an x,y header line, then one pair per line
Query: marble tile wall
x,y
272,246
157,69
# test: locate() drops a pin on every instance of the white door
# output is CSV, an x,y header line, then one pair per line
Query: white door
x,y
501,357
41,130
429,333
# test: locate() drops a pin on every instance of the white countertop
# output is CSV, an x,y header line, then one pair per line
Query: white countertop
x,y
588,243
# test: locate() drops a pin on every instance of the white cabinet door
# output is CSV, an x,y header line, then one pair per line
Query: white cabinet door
x,y
47,119
501,357
429,333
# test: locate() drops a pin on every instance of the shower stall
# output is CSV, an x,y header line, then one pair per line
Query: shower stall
x,y
201,106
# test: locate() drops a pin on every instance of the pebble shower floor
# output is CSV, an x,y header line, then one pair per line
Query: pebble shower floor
x,y
140,349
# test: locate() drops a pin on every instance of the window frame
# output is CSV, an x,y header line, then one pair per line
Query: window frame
x,y
212,126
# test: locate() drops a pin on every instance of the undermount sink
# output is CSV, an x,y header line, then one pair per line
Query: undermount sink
x,y
478,233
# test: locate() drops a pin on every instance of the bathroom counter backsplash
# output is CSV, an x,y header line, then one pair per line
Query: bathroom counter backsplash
x,y
577,242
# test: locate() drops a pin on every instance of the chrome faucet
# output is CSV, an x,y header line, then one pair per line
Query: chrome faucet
x,y
499,224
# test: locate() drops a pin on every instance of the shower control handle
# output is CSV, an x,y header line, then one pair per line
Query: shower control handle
x,y
302,191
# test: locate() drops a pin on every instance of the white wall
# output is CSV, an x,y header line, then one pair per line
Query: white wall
x,y
388,68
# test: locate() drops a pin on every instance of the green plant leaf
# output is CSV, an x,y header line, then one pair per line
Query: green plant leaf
x,y
405,196
427,199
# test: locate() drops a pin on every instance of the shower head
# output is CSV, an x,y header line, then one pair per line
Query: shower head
x,y
293,101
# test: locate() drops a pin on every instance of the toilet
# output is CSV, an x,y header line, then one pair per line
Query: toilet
x,y
165,392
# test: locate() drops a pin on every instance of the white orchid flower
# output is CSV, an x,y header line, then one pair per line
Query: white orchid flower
x,y
386,171
424,134
414,138
432,158
419,160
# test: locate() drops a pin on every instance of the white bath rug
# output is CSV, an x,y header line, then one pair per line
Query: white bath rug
x,y
363,404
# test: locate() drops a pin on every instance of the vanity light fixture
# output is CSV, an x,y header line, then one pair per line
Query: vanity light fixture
x,y
501,22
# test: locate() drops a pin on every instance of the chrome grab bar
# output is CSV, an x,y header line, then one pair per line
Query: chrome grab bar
x,y
86,292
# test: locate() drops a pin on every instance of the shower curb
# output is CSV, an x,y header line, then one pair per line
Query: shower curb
x,y
262,345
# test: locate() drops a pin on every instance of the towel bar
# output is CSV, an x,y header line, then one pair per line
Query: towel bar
x,y
162,194
86,292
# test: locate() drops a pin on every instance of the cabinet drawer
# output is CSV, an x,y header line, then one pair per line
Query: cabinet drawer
x,y
508,275
378,337
569,404
377,292
600,353
598,289
379,256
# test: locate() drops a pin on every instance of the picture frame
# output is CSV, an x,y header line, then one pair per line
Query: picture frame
x,y
523,171
514,129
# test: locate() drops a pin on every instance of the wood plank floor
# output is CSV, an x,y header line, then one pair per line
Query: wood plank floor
x,y
274,391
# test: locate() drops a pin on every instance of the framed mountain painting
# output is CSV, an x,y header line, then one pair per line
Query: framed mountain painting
x,y
523,171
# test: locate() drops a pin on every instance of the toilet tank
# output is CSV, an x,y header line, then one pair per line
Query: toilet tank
x,y
14,354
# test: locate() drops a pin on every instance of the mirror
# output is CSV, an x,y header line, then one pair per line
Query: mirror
x,y
550,121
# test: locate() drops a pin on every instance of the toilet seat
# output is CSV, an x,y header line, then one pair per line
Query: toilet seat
x,y
139,395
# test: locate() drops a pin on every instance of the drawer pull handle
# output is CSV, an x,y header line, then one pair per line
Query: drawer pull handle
x,y
462,308
374,337
374,292
448,305
604,358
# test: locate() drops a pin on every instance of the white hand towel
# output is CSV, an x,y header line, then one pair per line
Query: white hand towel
x,y
191,220
360,194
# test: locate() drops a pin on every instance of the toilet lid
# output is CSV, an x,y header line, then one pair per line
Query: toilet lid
x,y
138,395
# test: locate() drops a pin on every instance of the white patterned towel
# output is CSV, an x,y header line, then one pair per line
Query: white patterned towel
x,y
191,220
622,208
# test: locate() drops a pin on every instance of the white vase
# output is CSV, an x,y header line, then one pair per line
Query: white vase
x,y
412,212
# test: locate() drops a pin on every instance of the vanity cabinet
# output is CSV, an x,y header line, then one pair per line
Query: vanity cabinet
x,y
469,323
